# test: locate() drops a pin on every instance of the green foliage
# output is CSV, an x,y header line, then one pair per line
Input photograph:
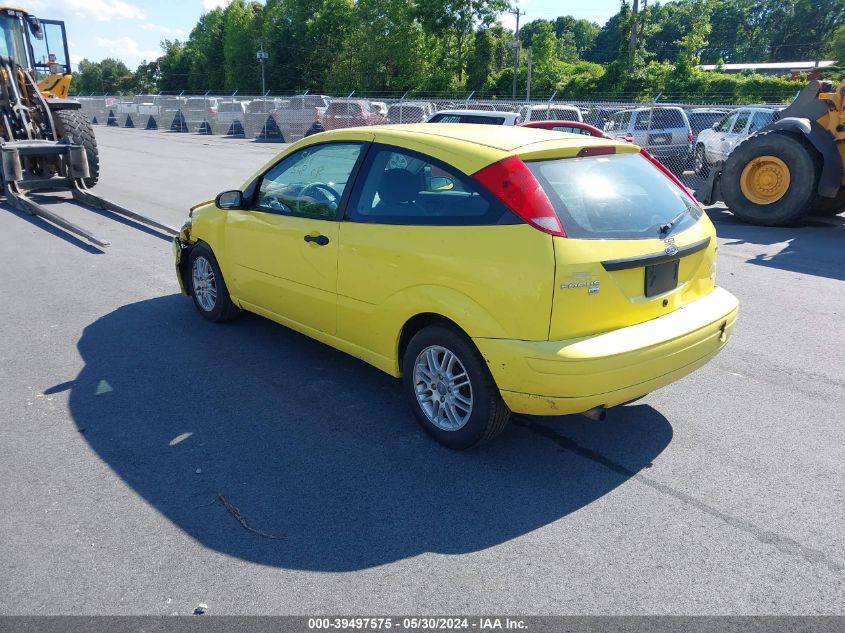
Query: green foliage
x,y
458,46
836,47
108,76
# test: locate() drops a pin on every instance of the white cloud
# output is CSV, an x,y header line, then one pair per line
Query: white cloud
x,y
104,10
127,49
158,28
213,4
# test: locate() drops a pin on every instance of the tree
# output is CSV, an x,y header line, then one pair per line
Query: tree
x,y
173,66
205,52
836,47
241,35
455,22
109,76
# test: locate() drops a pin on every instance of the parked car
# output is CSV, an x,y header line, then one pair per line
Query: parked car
x,y
550,112
484,117
200,114
715,144
262,116
571,127
231,115
663,130
300,113
489,270
351,113
598,116
380,107
704,118
409,112
172,113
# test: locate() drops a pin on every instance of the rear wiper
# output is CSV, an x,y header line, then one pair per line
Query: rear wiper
x,y
663,229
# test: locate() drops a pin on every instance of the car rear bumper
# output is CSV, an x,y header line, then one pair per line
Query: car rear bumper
x,y
573,376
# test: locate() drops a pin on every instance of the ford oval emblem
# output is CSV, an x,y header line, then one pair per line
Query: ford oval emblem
x,y
671,249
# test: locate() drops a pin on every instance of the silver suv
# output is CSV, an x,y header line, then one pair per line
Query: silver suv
x,y
663,130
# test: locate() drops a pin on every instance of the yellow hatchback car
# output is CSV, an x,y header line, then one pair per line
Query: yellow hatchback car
x,y
495,269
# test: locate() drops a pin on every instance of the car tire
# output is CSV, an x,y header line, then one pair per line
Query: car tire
x,y
800,196
460,407
207,286
699,162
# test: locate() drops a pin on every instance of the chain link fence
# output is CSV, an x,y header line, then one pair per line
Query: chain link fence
x,y
669,134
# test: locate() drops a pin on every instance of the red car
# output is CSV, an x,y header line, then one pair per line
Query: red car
x,y
573,127
342,113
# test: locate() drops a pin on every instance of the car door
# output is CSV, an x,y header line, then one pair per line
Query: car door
x,y
420,236
738,131
715,147
283,249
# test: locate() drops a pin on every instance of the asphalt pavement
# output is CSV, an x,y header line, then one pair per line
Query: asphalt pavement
x,y
151,461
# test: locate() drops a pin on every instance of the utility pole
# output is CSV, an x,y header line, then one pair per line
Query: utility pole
x,y
632,44
528,85
515,11
262,55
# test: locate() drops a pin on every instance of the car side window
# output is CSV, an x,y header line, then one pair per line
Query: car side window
x,y
759,120
403,187
741,122
726,123
643,121
310,182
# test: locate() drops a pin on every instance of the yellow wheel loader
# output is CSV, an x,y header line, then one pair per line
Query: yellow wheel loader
x,y
791,168
46,142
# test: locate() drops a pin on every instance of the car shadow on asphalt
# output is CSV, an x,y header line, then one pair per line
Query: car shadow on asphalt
x,y
265,445
815,246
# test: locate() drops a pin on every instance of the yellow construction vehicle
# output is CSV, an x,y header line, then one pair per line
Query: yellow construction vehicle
x,y
46,141
791,168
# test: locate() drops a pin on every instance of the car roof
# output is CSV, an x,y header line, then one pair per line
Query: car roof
x,y
469,147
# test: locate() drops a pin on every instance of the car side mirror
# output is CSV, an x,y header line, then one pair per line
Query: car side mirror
x,y
230,200
715,125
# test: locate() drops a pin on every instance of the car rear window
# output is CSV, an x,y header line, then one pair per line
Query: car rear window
x,y
617,196
344,108
703,120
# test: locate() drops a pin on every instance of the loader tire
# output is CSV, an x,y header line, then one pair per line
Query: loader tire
x,y
826,207
74,124
771,179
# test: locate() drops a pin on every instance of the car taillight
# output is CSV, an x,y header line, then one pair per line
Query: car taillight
x,y
512,182
316,114
689,137
671,176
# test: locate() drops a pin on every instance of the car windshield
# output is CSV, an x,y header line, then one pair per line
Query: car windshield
x,y
616,196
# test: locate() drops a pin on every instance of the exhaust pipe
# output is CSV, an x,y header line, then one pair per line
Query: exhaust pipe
x,y
597,414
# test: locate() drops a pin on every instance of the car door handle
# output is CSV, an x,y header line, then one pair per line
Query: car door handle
x,y
319,240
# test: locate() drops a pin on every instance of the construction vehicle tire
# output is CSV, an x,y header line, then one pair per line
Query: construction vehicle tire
x,y
830,206
74,124
771,179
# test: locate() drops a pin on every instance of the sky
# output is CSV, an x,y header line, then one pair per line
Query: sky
x,y
131,30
